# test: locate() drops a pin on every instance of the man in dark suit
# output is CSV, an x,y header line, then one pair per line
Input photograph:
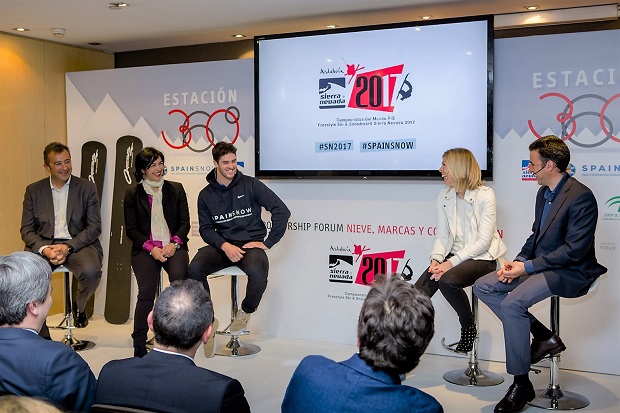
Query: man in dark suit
x,y
558,258
61,220
30,365
166,379
394,328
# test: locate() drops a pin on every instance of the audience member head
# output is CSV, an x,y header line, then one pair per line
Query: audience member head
x,y
144,159
54,147
182,314
395,325
463,168
551,148
223,148
25,280
25,404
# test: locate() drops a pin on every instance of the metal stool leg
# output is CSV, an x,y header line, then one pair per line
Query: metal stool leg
x,y
67,322
151,343
473,375
554,398
235,347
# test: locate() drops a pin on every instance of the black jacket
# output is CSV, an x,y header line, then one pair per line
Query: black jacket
x,y
138,214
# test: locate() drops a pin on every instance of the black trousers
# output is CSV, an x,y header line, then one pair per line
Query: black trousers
x,y
453,281
254,263
147,271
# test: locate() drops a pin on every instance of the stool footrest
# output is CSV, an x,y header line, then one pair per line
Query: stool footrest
x,y
225,332
452,347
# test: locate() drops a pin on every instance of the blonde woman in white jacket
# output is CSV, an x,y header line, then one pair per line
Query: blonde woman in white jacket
x,y
467,244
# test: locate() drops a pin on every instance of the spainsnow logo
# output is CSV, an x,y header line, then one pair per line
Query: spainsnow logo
x,y
600,169
613,209
369,90
342,267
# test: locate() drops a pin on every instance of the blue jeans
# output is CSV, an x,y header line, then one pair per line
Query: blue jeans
x,y
511,302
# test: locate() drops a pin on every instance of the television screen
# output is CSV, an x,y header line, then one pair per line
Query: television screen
x,y
375,101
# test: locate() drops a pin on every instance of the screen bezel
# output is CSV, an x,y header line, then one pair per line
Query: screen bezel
x,y
487,173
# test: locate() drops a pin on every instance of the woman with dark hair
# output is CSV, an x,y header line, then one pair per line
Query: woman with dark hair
x,y
467,244
157,223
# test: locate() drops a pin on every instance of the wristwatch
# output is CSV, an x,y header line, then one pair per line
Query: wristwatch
x,y
70,248
176,245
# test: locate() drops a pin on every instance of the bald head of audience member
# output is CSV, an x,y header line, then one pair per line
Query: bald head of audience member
x,y
182,317
395,325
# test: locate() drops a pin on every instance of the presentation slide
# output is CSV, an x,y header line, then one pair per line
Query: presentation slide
x,y
392,99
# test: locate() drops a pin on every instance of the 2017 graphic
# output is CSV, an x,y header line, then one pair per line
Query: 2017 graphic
x,y
370,265
371,90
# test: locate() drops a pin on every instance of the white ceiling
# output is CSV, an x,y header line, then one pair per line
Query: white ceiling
x,y
148,24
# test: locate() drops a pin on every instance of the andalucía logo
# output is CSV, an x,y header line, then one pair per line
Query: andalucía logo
x,y
358,89
613,206
341,266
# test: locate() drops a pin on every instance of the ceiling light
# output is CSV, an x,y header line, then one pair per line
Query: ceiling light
x,y
332,26
118,6
428,17
556,16
531,8
238,36
20,29
58,32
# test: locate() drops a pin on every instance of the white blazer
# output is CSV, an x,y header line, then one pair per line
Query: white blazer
x,y
481,239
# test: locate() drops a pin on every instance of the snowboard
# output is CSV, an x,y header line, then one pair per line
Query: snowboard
x,y
94,156
118,288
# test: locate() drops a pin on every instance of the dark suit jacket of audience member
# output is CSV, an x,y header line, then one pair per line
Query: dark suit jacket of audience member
x,y
83,215
321,385
138,214
33,366
169,383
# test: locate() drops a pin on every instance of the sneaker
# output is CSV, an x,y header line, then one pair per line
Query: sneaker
x,y
209,347
240,322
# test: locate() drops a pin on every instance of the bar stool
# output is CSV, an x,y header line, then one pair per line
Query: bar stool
x,y
234,347
67,322
473,375
554,398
